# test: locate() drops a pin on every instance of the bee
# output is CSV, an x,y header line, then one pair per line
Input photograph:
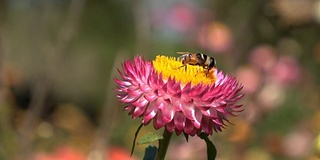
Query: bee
x,y
200,59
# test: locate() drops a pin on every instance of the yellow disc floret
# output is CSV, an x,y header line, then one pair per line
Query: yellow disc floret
x,y
171,67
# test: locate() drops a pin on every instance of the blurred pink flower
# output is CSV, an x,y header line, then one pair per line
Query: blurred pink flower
x,y
287,71
160,92
61,153
272,95
250,78
66,152
298,144
264,57
182,18
116,153
186,150
215,37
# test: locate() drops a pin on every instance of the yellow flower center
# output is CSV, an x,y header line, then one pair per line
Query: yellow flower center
x,y
171,67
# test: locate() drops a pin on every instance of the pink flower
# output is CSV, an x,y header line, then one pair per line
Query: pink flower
x,y
182,18
61,153
250,77
287,71
188,100
215,37
263,57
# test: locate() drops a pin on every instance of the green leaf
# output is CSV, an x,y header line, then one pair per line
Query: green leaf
x,y
135,137
149,138
211,149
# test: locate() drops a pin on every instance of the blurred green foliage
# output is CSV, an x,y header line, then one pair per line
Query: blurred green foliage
x,y
58,60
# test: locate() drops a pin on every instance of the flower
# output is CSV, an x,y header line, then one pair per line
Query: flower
x,y
215,37
182,99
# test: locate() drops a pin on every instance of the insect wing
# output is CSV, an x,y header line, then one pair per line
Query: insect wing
x,y
183,52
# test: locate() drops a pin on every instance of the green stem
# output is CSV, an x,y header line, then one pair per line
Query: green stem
x,y
163,145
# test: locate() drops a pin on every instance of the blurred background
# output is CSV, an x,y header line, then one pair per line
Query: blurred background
x,y
58,59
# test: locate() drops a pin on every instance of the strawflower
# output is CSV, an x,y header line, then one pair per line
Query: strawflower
x,y
182,99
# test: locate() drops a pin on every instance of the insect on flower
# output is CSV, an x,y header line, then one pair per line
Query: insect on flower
x,y
200,59
172,98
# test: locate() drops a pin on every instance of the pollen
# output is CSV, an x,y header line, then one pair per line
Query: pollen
x,y
171,67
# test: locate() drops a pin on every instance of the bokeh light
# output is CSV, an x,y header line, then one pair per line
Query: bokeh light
x,y
58,60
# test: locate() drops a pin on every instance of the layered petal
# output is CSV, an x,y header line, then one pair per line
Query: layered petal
x,y
178,105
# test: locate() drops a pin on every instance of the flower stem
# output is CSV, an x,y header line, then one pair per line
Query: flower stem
x,y
163,145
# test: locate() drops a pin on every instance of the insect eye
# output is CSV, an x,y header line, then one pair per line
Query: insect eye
x,y
212,62
199,55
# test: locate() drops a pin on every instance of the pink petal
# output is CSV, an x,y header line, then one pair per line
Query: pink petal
x,y
129,107
134,92
177,105
161,104
150,96
128,99
186,88
207,125
188,110
158,122
137,112
141,102
170,126
160,92
197,119
179,120
189,127
150,112
122,83
168,113
144,88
